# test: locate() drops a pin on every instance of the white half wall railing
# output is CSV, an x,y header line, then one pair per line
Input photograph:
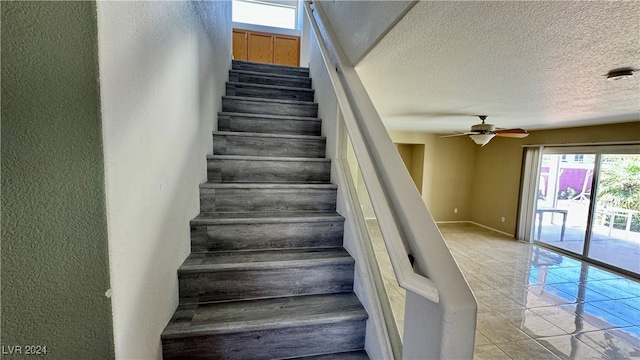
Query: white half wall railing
x,y
440,309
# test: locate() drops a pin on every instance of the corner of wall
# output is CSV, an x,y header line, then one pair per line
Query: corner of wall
x,y
55,268
449,165
359,25
163,67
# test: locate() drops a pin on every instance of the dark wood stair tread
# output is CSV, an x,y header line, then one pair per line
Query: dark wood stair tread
x,y
273,101
234,61
260,73
210,185
268,116
267,65
251,217
266,158
263,314
351,355
267,135
269,87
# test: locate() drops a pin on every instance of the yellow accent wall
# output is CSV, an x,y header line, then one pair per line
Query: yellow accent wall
x,y
448,173
484,182
496,183
413,157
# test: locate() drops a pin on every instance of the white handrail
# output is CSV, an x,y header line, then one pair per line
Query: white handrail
x,y
405,275
405,223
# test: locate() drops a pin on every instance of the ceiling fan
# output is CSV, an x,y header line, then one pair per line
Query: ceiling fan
x,y
481,134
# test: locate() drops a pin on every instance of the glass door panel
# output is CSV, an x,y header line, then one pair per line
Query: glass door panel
x,y
564,192
615,232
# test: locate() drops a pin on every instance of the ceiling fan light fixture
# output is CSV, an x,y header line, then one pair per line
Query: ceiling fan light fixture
x,y
482,133
481,139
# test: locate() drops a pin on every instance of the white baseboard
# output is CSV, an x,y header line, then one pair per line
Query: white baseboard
x,y
475,223
492,229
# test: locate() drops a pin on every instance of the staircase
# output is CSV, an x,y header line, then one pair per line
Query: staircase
x,y
267,277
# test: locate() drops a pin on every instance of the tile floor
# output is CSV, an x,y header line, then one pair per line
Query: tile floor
x,y
395,293
622,251
537,304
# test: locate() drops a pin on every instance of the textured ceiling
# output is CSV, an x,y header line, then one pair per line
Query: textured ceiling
x,y
535,65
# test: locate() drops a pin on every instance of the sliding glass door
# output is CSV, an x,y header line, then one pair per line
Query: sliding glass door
x,y
586,201
615,231
562,209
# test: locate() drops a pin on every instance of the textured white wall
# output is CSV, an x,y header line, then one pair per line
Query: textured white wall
x,y
359,25
162,71
464,58
305,44
266,29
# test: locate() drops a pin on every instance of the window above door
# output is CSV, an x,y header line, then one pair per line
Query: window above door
x,y
272,13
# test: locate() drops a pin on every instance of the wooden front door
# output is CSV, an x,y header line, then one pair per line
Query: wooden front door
x,y
286,50
266,48
240,38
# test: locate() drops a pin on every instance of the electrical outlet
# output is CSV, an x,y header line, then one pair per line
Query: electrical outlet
x,y
502,219
455,210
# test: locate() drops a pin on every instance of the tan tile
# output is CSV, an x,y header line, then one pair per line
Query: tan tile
x,y
527,349
569,347
630,335
477,285
565,319
544,298
497,301
483,308
516,293
489,352
481,339
511,318
531,323
494,280
497,329
609,344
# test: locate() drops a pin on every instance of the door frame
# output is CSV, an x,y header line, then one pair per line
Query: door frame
x,y
531,166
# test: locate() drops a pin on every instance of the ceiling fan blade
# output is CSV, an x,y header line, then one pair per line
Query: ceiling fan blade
x,y
512,133
513,136
511,130
460,134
